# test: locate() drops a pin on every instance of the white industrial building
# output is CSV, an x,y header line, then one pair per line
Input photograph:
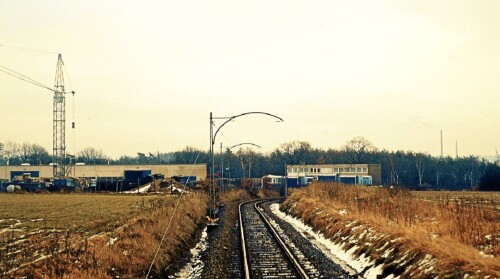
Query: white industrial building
x,y
363,174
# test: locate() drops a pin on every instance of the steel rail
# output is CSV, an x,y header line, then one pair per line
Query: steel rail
x,y
291,258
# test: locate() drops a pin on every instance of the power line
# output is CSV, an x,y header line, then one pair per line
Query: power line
x,y
28,49
171,218
23,77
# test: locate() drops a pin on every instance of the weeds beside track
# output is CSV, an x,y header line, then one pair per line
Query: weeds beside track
x,y
461,233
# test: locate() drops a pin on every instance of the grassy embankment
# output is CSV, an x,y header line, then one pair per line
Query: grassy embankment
x,y
95,235
460,231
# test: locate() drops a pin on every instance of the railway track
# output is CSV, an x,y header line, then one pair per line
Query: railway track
x,y
265,253
250,249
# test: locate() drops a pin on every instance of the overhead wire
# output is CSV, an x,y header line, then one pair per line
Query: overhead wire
x,y
28,49
23,77
172,216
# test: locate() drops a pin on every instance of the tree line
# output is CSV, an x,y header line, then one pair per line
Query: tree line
x,y
402,168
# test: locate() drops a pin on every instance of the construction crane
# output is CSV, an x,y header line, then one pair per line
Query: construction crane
x,y
59,114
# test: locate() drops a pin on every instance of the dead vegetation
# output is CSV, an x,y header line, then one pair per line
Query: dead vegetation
x,y
458,234
95,236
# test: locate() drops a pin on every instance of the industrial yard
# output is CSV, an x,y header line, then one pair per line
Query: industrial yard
x,y
99,178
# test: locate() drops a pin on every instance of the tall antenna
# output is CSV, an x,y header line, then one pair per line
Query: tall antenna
x,y
59,121
441,143
456,148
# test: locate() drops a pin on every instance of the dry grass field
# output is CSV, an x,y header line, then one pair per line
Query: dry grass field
x,y
86,213
459,229
93,235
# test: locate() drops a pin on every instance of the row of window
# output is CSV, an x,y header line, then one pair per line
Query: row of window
x,y
329,170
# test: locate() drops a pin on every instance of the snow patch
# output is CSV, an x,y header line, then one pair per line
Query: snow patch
x,y
141,190
175,189
346,259
112,240
194,267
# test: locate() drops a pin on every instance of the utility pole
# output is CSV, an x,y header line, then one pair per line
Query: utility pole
x,y
213,135
221,184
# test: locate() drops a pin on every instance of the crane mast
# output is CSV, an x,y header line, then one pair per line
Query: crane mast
x,y
59,121
59,114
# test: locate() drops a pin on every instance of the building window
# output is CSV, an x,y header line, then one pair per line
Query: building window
x,y
336,170
365,169
358,170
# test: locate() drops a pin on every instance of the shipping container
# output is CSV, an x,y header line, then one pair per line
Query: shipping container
x,y
135,178
136,174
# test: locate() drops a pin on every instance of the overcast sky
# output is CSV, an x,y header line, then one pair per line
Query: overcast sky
x,y
147,74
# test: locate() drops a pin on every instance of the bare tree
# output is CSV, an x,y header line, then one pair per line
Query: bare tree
x,y
25,152
357,148
246,156
296,152
11,152
90,155
419,163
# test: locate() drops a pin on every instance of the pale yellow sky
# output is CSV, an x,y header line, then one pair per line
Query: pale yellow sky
x,y
148,73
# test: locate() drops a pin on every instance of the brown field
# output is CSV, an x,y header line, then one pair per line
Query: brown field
x,y
460,229
87,213
94,235
487,198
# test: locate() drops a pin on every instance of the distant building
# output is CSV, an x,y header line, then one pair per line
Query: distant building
x,y
105,171
363,174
